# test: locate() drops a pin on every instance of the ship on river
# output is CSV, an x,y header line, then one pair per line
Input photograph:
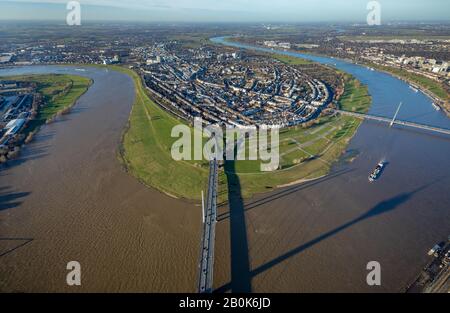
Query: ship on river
x,y
376,172
413,88
435,106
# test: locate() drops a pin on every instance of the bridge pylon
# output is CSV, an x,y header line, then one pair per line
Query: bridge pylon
x,y
395,115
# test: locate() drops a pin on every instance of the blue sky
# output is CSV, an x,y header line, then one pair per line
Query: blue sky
x,y
226,10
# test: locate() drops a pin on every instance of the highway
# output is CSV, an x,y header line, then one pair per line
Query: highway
x,y
206,267
395,121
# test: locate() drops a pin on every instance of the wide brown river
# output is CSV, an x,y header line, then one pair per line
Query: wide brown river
x,y
67,199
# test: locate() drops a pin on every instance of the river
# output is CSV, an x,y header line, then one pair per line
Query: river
x,y
320,236
67,199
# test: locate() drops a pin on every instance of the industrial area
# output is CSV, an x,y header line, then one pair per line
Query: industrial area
x,y
18,105
435,276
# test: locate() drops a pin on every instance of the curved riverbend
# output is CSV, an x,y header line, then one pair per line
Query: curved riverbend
x,y
67,198
386,90
319,236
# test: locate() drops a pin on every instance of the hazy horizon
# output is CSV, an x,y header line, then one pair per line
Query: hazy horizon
x,y
225,11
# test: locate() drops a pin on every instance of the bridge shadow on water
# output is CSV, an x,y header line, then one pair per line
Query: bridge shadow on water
x,y
242,275
19,243
9,200
273,196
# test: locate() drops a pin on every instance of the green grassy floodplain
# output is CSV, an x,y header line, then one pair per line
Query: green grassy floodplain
x,y
305,153
147,143
356,97
146,148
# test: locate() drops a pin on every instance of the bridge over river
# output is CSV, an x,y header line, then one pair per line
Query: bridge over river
x,y
395,121
206,267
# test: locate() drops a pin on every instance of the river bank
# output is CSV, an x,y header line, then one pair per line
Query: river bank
x,y
437,100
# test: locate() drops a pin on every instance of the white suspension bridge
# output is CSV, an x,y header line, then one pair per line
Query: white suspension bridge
x,y
395,121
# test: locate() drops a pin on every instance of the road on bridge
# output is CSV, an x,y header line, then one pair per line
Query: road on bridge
x,y
209,231
395,121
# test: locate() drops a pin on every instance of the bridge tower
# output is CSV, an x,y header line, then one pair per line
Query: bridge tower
x,y
395,116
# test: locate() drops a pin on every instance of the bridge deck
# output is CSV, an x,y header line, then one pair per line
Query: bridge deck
x,y
398,122
209,232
